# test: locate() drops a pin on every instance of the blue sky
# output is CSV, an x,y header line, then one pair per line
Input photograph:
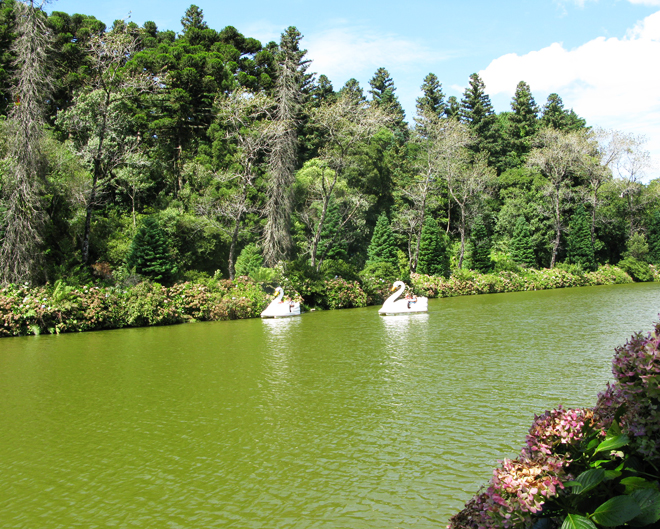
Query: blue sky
x,y
600,56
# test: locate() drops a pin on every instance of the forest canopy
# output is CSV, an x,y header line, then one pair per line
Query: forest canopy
x,y
230,145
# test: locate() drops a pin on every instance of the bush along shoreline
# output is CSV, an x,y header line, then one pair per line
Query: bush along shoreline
x,y
585,468
54,309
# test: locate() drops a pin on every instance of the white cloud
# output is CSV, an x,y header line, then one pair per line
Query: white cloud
x,y
357,50
611,82
645,2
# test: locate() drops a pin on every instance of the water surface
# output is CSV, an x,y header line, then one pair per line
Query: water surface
x,y
332,419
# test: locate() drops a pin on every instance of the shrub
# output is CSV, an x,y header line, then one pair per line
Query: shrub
x,y
150,253
638,270
248,260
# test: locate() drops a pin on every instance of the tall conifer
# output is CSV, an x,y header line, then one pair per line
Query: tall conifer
x,y
654,238
150,253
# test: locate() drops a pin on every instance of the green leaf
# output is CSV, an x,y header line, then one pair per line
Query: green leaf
x,y
575,521
634,483
614,430
616,511
612,474
612,443
649,502
588,480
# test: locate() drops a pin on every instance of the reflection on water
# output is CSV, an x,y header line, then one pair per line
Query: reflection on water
x,y
332,419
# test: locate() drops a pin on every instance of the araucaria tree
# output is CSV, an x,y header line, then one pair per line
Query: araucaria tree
x,y
289,90
150,253
21,189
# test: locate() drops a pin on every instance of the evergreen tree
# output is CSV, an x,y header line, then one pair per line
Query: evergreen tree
x,y
557,117
433,99
480,247
353,88
478,114
522,247
579,247
453,108
193,19
433,255
331,244
654,238
382,93
248,260
150,253
523,120
382,248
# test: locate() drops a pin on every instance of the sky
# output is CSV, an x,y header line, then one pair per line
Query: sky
x,y
601,56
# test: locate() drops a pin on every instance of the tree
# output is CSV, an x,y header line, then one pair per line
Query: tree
x,y
292,79
21,190
480,246
150,254
522,246
101,122
248,132
328,207
432,99
654,238
193,19
248,260
478,114
523,121
555,116
352,87
382,248
382,93
557,156
433,255
578,243
453,109
346,124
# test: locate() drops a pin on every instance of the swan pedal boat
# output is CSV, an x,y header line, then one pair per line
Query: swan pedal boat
x,y
281,309
394,306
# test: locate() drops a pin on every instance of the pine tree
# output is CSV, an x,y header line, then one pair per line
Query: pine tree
x,y
150,253
382,248
433,255
654,238
480,247
523,120
382,93
557,117
522,247
578,244
353,88
478,114
453,109
433,99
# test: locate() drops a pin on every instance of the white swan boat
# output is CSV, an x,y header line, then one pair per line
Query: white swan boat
x,y
281,309
393,305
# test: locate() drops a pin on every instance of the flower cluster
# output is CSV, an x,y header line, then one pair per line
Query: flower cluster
x,y
636,369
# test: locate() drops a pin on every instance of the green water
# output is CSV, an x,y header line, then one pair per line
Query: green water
x,y
341,419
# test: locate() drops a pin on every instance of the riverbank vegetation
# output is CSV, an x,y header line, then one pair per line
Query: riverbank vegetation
x,y
133,154
585,468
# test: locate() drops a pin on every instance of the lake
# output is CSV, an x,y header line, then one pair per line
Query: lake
x,y
328,420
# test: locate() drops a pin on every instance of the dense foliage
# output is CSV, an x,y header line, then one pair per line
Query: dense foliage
x,y
248,162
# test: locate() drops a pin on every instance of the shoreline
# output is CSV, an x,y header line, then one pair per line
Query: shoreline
x,y
58,309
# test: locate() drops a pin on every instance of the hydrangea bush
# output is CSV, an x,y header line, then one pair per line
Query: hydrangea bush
x,y
585,468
